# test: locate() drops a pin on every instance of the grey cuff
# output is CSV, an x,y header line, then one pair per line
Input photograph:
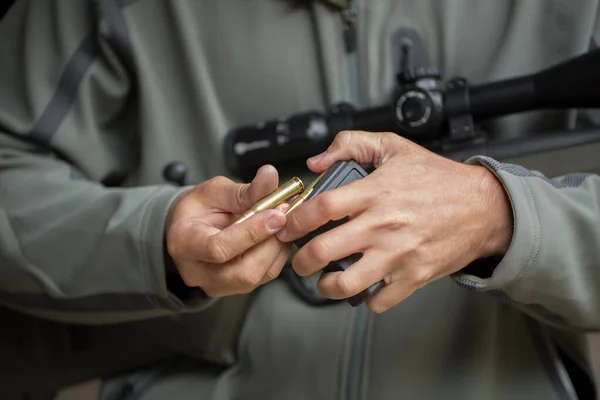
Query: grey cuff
x,y
526,238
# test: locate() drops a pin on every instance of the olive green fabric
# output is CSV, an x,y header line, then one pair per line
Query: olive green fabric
x,y
96,97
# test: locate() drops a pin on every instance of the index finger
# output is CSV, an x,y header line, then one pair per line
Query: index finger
x,y
331,205
372,148
209,244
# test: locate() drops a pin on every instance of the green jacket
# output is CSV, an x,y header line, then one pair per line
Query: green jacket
x,y
97,96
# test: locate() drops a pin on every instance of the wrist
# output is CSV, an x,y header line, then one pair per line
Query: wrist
x,y
497,214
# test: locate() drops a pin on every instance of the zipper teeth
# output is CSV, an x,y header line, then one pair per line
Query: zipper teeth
x,y
358,337
465,283
357,353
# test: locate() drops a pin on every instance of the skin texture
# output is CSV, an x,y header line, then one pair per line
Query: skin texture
x,y
417,218
211,253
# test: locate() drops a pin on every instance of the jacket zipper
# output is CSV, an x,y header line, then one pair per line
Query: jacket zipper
x,y
358,337
349,20
358,342
465,283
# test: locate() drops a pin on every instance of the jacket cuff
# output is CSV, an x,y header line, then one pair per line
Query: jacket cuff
x,y
169,288
526,238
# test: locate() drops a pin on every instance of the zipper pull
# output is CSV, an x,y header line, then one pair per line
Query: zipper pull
x,y
349,16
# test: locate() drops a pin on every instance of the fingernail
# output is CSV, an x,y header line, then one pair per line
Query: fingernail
x,y
275,223
317,158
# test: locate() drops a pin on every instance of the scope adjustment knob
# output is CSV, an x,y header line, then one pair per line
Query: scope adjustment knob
x,y
418,112
413,108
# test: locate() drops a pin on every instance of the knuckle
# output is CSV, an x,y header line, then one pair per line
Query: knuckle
x,y
390,140
342,139
327,204
270,275
388,280
254,235
386,137
318,251
216,251
385,192
422,275
343,136
381,140
250,279
412,247
395,221
347,286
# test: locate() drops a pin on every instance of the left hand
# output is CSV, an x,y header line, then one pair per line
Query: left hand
x,y
417,218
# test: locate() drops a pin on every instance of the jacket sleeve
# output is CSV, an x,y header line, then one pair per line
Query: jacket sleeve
x,y
73,248
552,267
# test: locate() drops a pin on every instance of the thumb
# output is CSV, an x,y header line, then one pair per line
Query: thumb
x,y
372,148
227,195
264,182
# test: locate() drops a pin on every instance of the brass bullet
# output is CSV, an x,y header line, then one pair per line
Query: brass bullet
x,y
278,196
302,197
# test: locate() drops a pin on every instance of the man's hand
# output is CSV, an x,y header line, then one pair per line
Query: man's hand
x,y
221,258
417,218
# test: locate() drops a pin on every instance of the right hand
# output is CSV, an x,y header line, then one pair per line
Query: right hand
x,y
211,253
